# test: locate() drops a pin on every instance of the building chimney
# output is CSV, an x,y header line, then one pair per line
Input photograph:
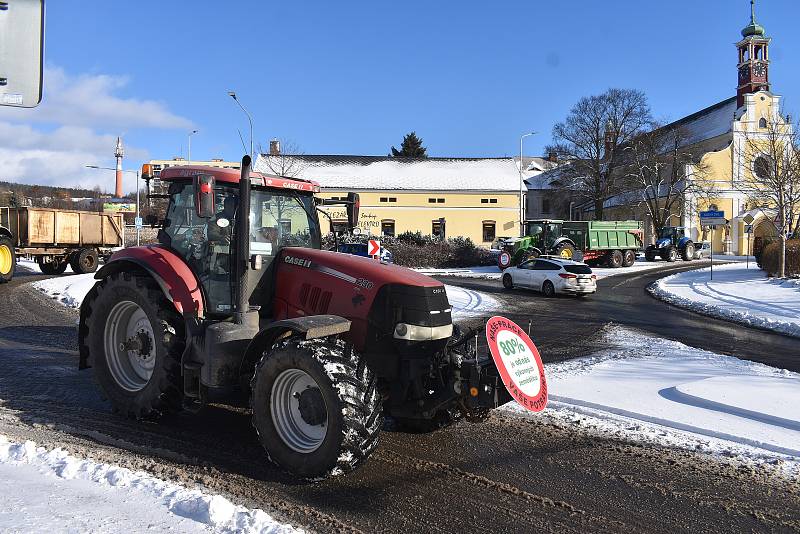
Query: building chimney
x,y
274,147
608,140
552,156
119,153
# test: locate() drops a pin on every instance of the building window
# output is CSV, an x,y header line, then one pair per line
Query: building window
x,y
387,227
388,199
488,231
440,201
545,205
762,167
286,226
435,201
488,201
762,122
431,201
484,201
436,228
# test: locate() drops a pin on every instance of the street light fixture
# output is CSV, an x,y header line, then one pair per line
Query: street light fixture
x,y
189,154
138,214
522,186
232,94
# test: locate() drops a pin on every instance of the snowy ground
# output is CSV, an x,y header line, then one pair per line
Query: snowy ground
x,y
738,294
661,391
50,490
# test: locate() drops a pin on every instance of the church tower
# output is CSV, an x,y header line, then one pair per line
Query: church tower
x,y
753,58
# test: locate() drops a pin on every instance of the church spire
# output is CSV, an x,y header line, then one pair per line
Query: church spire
x,y
754,29
753,62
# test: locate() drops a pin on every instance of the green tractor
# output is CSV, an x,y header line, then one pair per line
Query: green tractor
x,y
672,242
543,236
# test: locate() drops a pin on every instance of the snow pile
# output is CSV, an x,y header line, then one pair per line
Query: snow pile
x,y
50,485
68,290
468,303
661,391
737,294
492,272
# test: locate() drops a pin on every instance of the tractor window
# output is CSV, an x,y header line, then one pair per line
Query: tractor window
x,y
205,244
279,219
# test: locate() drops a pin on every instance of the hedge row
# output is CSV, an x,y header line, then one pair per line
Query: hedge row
x,y
771,253
413,249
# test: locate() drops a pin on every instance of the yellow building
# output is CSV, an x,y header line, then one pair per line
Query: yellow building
x,y
728,143
476,198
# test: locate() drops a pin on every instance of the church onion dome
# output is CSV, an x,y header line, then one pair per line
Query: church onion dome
x,y
754,29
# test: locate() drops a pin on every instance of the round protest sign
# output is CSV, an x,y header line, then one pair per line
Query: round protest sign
x,y
518,361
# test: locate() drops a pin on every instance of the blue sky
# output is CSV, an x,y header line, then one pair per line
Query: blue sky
x,y
353,77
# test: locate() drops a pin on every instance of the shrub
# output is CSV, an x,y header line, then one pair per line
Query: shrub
x,y
771,252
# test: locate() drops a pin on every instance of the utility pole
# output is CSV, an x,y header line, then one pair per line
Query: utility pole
x,y
522,187
189,152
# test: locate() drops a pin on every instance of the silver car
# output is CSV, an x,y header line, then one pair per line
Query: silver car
x,y
552,275
702,250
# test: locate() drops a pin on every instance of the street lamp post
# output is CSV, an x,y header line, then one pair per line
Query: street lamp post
x,y
521,187
189,152
138,213
232,94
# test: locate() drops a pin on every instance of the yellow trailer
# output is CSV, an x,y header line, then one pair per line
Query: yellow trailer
x,y
56,238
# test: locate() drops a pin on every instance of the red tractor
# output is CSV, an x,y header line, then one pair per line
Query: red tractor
x,y
238,302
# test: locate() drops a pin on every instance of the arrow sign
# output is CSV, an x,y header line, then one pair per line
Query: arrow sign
x,y
374,247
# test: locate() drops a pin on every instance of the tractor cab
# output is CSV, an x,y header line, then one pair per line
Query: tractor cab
x,y
543,232
670,235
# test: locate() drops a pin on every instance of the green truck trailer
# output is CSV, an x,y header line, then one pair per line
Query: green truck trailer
x,y
613,243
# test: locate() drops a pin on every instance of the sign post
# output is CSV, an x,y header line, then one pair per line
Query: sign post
x,y
748,221
712,218
374,249
518,361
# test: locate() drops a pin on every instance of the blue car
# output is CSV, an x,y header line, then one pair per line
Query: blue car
x,y
360,249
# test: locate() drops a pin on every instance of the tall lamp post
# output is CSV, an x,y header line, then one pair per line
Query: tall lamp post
x,y
138,214
522,187
232,94
189,153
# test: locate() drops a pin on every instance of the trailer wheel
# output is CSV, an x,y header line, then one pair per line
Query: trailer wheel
x,y
615,259
8,260
57,266
84,261
688,252
316,407
136,340
628,258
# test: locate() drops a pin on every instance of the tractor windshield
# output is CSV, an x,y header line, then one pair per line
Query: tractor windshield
x,y
282,219
667,232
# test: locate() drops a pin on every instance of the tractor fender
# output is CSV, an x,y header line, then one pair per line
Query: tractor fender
x,y
563,239
309,327
5,232
170,271
682,242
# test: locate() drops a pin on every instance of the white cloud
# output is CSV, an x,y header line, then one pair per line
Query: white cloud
x,y
88,100
76,125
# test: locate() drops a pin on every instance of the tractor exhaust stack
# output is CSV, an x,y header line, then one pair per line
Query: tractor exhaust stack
x,y
243,243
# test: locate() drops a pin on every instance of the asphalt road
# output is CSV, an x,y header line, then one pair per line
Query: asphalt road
x,y
566,327
509,474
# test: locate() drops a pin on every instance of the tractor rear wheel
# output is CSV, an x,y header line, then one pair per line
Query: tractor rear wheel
x,y
316,407
628,258
7,260
57,266
565,251
688,252
135,339
615,259
84,261
669,254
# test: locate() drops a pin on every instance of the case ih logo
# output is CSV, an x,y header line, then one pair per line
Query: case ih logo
x,y
302,262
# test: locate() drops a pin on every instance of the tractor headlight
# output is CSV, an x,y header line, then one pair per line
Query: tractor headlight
x,y
412,332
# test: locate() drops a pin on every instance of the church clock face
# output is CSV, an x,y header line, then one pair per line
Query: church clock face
x,y
744,73
759,70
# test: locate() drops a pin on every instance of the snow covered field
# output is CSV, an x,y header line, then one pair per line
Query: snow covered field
x,y
50,490
660,391
738,294
493,272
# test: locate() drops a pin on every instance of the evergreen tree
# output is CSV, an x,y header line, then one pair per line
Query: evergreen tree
x,y
411,148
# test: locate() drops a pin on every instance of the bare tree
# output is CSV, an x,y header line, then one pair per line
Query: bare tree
x,y
770,156
656,173
589,140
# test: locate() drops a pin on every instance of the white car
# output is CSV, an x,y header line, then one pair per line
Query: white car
x,y
551,276
702,250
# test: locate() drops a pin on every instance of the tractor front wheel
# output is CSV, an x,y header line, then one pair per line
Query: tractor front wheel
x,y
316,407
670,254
650,253
687,254
565,251
8,259
136,340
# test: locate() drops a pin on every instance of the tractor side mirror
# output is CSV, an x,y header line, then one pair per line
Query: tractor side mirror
x,y
204,196
353,207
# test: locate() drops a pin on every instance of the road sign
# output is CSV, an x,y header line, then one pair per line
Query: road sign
x,y
138,223
518,361
374,248
748,229
748,219
711,214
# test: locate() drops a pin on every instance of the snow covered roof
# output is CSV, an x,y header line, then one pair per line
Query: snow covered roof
x,y
388,173
705,124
